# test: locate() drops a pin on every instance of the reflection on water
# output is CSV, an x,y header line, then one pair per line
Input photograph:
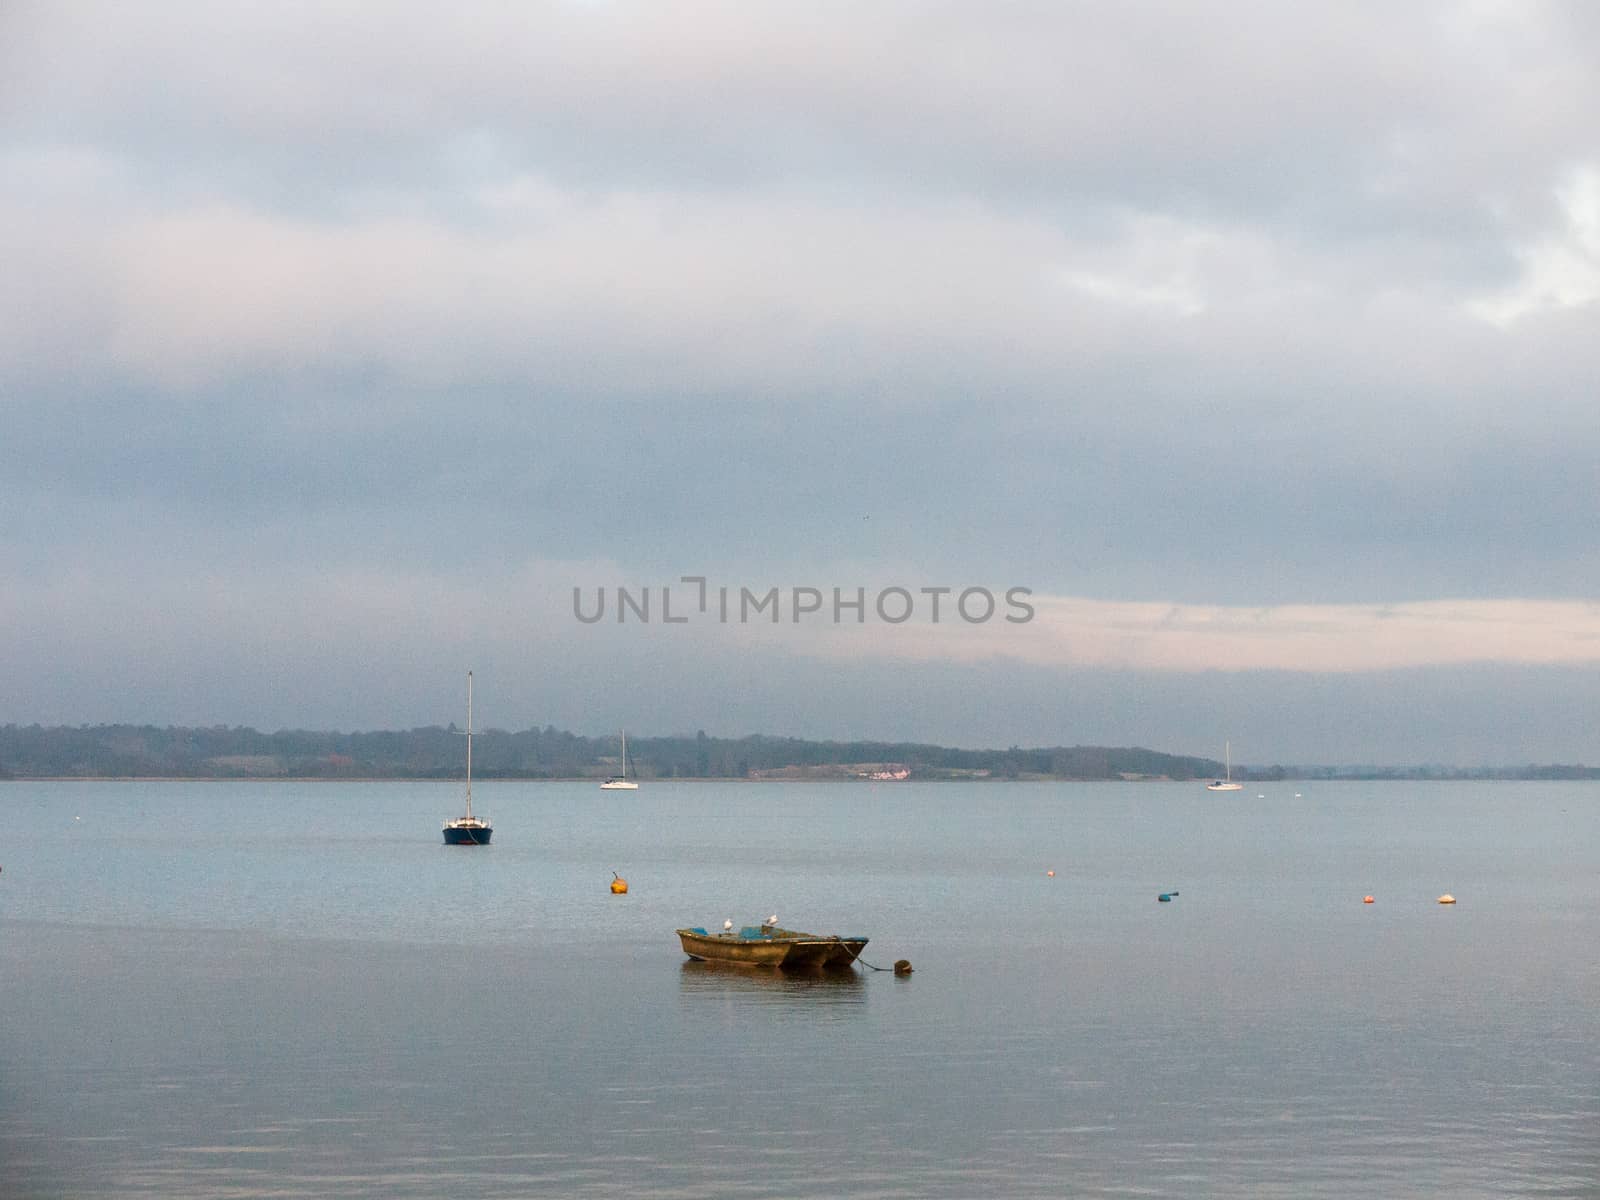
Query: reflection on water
x,y
249,1013
768,985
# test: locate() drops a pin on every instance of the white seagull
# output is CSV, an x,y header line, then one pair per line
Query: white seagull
x,y
727,927
773,919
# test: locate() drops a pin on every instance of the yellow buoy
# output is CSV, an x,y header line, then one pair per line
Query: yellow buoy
x,y
1447,898
619,885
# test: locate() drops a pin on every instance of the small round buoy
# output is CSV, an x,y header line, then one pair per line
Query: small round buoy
x,y
1050,874
1366,899
1447,898
902,966
619,885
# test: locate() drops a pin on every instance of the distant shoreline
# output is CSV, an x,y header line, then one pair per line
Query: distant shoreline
x,y
594,779
220,753
1467,776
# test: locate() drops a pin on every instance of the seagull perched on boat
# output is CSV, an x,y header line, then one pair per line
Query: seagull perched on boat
x,y
773,919
727,927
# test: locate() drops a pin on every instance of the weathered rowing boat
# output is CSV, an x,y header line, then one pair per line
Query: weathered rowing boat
x,y
769,946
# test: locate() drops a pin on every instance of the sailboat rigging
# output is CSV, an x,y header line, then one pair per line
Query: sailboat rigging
x,y
621,783
468,830
1225,784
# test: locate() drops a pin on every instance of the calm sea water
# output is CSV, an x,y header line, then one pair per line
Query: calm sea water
x,y
284,990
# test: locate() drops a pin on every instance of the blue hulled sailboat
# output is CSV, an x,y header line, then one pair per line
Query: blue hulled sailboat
x,y
468,830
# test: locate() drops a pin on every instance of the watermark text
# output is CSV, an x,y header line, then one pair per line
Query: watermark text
x,y
697,599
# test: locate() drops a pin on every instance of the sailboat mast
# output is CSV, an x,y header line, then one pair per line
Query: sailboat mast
x,y
624,753
469,745
1227,753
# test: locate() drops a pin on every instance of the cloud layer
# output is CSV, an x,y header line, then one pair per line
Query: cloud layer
x,y
1256,338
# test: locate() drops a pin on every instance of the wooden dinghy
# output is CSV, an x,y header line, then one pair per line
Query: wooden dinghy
x,y
770,946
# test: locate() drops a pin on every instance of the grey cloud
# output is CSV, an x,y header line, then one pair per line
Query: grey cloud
x,y
1259,109
1167,302
329,671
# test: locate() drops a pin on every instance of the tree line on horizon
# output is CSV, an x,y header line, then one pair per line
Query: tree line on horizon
x,y
437,752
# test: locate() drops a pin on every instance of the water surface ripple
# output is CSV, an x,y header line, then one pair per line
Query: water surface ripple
x,y
295,990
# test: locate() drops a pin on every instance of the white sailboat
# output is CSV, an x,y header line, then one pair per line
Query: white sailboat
x,y
621,783
1227,784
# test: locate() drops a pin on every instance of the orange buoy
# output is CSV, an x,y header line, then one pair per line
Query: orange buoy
x,y
1051,874
1447,898
1366,899
619,885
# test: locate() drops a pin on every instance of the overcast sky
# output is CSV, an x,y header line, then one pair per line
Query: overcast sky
x,y
340,342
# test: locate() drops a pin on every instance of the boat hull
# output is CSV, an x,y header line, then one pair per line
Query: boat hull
x,y
469,835
780,948
619,785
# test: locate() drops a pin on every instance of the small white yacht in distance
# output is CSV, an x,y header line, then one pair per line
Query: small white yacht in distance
x,y
621,783
1227,784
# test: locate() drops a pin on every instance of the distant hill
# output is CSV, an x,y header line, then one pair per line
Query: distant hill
x,y
436,752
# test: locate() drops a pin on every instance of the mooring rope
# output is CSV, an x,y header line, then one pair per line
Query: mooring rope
x,y
901,966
